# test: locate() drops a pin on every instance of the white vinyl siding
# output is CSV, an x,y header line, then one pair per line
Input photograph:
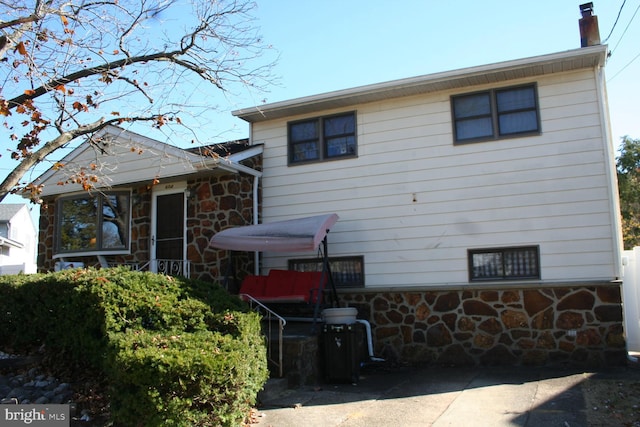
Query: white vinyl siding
x,y
413,203
18,255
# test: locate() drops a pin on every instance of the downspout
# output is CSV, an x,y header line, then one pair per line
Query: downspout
x,y
256,180
256,255
239,168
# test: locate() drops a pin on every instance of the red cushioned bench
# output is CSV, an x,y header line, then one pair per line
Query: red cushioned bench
x,y
283,286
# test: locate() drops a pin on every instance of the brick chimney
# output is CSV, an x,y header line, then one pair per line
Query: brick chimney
x,y
589,32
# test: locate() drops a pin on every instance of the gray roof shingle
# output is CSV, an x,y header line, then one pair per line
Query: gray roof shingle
x,y
9,210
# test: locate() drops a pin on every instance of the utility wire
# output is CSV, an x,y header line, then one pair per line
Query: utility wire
x,y
626,28
623,68
620,40
615,23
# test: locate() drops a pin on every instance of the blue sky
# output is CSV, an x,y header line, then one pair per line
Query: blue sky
x,y
336,44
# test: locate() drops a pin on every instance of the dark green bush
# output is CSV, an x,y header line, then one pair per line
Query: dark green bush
x,y
174,351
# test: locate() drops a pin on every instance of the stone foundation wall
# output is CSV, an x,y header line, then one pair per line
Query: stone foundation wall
x,y
542,326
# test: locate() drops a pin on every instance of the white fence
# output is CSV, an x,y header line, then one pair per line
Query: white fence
x,y
631,297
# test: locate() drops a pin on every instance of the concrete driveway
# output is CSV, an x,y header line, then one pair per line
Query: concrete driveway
x,y
405,397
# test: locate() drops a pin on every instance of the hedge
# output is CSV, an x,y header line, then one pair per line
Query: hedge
x,y
174,351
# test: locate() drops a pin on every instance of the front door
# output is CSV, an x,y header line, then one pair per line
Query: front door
x,y
168,249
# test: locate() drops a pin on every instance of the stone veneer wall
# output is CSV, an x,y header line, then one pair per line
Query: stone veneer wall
x,y
496,327
44,258
218,202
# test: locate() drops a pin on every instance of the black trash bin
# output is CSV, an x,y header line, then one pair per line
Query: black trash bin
x,y
342,349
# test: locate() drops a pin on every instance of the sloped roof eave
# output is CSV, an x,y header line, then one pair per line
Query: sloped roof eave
x,y
191,164
588,57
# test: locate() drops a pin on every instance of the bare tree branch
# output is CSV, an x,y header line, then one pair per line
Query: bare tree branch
x,y
13,179
19,21
88,72
65,65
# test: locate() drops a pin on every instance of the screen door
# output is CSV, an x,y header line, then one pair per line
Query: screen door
x,y
168,237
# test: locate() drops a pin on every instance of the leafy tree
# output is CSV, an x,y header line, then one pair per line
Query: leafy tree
x,y
71,67
628,166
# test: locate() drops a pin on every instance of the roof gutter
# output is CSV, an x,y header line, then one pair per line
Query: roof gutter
x,y
586,57
4,242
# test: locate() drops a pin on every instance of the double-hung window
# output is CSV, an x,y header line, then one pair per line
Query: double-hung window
x,y
504,263
323,138
494,114
93,223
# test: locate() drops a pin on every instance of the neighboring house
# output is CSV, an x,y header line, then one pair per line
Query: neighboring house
x,y
17,240
479,219
154,206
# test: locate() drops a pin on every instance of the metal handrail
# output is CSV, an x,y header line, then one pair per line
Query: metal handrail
x,y
270,316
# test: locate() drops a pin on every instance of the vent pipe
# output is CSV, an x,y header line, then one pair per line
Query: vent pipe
x,y
589,32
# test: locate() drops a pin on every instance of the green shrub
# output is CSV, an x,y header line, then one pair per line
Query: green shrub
x,y
183,379
43,309
174,351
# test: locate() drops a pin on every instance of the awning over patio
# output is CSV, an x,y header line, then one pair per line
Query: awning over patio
x,y
302,234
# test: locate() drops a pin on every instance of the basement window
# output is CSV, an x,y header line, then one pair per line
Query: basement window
x,y
347,272
504,263
495,114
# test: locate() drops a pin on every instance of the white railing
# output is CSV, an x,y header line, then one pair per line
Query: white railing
x,y
270,317
170,267
135,266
